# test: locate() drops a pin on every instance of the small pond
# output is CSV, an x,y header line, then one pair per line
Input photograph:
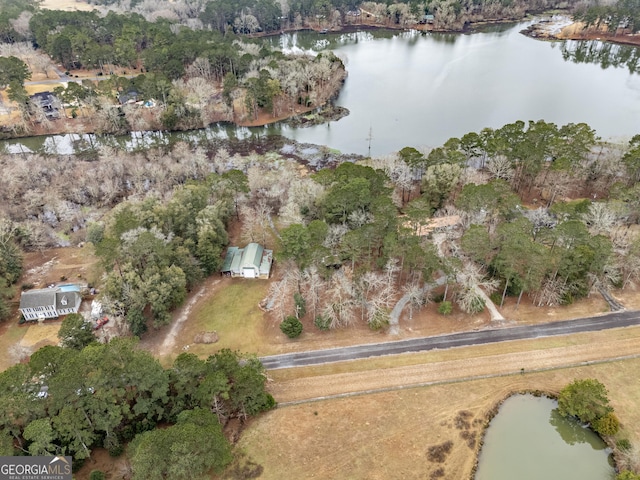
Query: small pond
x,y
529,440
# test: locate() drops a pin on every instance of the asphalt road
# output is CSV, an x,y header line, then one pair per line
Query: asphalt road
x,y
463,339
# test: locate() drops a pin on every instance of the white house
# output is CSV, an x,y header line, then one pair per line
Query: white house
x,y
50,302
253,261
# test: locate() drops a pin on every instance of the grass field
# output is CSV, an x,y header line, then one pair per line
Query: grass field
x,y
231,312
387,435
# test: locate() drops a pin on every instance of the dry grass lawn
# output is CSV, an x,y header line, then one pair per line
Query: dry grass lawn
x,y
232,311
39,335
10,336
387,435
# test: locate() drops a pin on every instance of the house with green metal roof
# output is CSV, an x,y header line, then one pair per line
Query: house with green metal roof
x,y
252,261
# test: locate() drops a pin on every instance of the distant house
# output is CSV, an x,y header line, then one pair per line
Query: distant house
x,y
48,102
128,98
427,19
50,302
253,261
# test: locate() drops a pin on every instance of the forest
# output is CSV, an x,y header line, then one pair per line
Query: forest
x,y
269,16
530,210
69,400
622,15
185,78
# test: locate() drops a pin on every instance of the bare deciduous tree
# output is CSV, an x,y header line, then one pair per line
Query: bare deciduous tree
x,y
600,218
551,293
340,300
500,167
417,295
471,279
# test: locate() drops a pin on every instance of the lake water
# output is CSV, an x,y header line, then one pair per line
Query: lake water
x,y
529,440
410,89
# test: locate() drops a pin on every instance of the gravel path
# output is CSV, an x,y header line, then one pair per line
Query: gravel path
x,y
170,340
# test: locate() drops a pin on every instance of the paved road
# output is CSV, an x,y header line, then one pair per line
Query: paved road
x,y
479,337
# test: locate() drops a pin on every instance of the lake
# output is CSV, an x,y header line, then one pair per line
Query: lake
x,y
410,89
413,89
529,440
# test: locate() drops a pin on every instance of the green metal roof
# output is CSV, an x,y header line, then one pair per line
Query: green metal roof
x,y
228,259
252,256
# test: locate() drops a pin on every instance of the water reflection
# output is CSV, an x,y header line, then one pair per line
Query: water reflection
x,y
573,432
604,54
528,440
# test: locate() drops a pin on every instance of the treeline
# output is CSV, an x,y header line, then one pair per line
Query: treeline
x,y
489,211
455,14
14,17
67,401
351,223
561,250
89,40
587,401
621,16
268,16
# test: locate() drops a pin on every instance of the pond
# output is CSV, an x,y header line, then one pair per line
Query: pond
x,y
412,89
529,440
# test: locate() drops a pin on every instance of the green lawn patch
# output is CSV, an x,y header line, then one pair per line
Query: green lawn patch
x,y
234,314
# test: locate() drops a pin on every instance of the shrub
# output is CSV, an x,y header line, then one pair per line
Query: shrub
x,y
97,475
607,425
496,298
627,475
445,308
291,327
438,298
322,323
623,444
438,453
95,233
116,450
301,305
379,320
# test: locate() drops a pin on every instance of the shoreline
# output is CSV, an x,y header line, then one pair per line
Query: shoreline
x,y
565,28
556,27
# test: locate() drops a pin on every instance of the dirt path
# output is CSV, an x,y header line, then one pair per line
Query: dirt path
x,y
169,342
595,348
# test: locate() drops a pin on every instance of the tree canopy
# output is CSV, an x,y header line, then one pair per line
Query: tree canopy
x,y
68,400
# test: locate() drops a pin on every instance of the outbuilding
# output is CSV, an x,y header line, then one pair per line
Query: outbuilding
x,y
253,261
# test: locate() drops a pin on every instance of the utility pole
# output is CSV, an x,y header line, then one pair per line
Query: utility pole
x,y
369,138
